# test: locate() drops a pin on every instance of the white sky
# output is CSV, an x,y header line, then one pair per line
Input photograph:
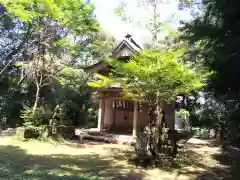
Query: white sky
x,y
113,25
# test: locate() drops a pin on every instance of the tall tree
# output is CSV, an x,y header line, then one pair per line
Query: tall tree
x,y
91,51
153,82
214,37
39,49
15,36
151,21
58,27
154,76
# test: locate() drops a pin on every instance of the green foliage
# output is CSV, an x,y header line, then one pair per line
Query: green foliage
x,y
45,75
153,76
154,22
92,117
31,121
214,39
201,132
182,116
72,78
26,133
183,112
67,32
73,97
59,26
98,45
69,13
11,102
215,42
152,71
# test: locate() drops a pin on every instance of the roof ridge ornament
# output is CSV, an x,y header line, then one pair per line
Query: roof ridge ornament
x,y
128,36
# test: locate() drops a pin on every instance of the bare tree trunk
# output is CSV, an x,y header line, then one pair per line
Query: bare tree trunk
x,y
155,26
152,124
52,121
36,100
159,124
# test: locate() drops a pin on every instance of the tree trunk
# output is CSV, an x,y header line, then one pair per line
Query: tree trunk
x,y
52,121
152,120
36,100
157,129
159,124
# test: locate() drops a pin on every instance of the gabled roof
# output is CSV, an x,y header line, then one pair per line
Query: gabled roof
x,y
127,47
129,43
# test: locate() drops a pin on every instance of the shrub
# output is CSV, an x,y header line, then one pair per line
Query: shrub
x,y
57,131
201,132
182,120
31,121
26,133
65,131
92,118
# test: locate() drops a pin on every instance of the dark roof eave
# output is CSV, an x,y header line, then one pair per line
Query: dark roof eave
x,y
116,50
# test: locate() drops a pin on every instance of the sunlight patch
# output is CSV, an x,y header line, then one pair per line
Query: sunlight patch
x,y
72,167
59,172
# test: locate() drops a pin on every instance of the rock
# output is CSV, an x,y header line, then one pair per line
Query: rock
x,y
142,144
212,134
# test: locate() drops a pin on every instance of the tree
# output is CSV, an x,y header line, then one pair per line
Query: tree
x,y
151,21
89,52
154,76
53,34
42,38
14,36
214,37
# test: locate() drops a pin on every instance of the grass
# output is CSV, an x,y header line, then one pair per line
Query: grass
x,y
52,160
34,159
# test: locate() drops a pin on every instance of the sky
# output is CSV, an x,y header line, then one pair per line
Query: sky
x,y
114,26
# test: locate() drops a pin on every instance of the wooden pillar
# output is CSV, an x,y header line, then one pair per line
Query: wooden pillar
x,y
101,113
135,117
108,118
169,110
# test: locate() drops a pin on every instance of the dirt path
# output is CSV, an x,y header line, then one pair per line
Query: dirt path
x,y
216,161
195,160
198,159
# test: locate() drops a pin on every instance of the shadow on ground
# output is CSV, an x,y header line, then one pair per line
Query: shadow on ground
x,y
228,167
16,164
187,162
198,166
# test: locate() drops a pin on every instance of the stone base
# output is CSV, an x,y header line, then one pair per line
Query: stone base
x,y
96,135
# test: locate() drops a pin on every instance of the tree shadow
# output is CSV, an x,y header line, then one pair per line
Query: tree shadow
x,y
187,162
228,163
16,164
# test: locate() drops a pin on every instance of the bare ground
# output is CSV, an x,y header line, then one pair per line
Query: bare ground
x,y
92,161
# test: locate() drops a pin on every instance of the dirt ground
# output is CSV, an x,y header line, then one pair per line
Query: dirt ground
x,y
198,159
